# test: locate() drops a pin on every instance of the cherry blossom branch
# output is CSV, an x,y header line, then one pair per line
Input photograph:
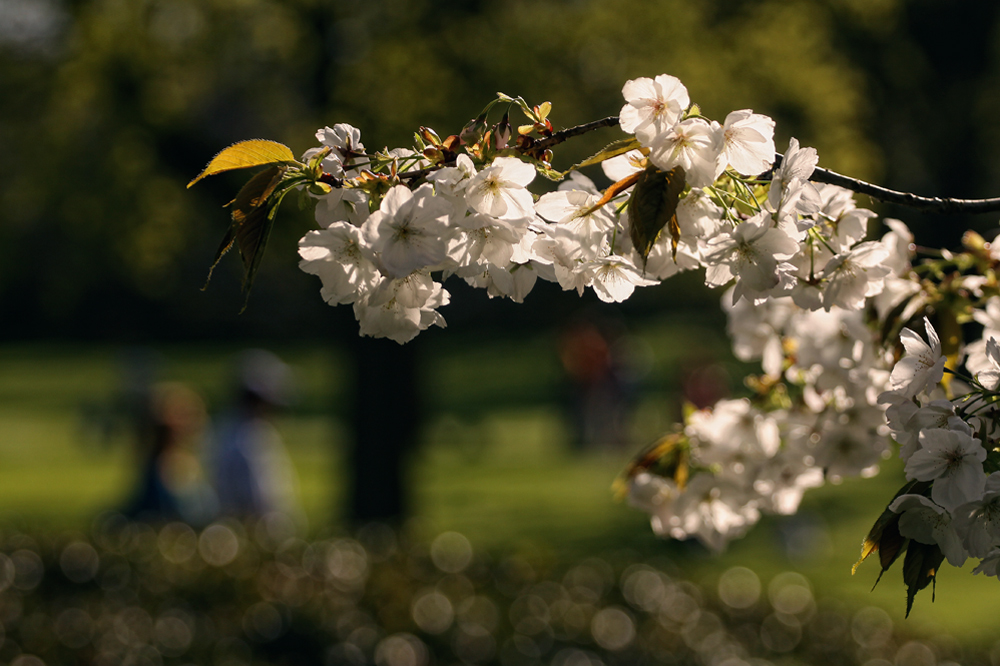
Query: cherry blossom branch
x,y
820,175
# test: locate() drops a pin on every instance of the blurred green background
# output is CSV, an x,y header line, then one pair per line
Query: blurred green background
x,y
109,107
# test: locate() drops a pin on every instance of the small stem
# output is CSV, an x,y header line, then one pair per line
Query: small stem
x,y
753,197
812,262
818,236
969,380
420,173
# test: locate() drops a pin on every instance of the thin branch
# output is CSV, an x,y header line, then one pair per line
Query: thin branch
x,y
417,174
931,204
570,132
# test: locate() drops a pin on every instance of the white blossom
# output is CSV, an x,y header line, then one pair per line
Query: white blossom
x,y
989,317
978,521
339,256
408,231
756,331
486,239
622,166
654,495
569,209
713,512
404,307
988,373
614,278
652,106
693,144
344,140
751,252
847,223
499,189
924,521
953,461
451,183
806,282
848,449
733,432
513,281
990,565
921,368
854,276
791,194
748,143
782,481
343,204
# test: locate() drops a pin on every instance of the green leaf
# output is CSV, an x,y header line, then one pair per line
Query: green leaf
x,y
251,209
920,569
653,206
251,239
255,192
613,149
884,536
890,543
224,246
527,110
246,154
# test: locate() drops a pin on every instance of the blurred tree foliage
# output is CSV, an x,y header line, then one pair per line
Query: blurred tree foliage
x,y
109,107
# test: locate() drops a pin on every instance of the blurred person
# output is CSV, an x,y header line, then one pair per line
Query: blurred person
x,y
704,381
253,474
171,480
602,382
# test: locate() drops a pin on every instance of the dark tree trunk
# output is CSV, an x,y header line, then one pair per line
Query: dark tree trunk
x,y
386,422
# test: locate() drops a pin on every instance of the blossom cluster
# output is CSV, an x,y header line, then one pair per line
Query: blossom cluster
x,y
481,225
947,429
383,253
794,252
748,457
822,307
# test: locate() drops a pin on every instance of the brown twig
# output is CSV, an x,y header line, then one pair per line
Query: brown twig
x,y
570,132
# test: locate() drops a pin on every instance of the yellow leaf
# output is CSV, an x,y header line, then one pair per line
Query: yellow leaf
x,y
611,150
612,191
668,457
868,547
246,154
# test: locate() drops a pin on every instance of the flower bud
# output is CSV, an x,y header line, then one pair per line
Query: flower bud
x,y
429,136
473,131
501,133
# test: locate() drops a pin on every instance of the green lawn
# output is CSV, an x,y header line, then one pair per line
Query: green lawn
x,y
494,465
